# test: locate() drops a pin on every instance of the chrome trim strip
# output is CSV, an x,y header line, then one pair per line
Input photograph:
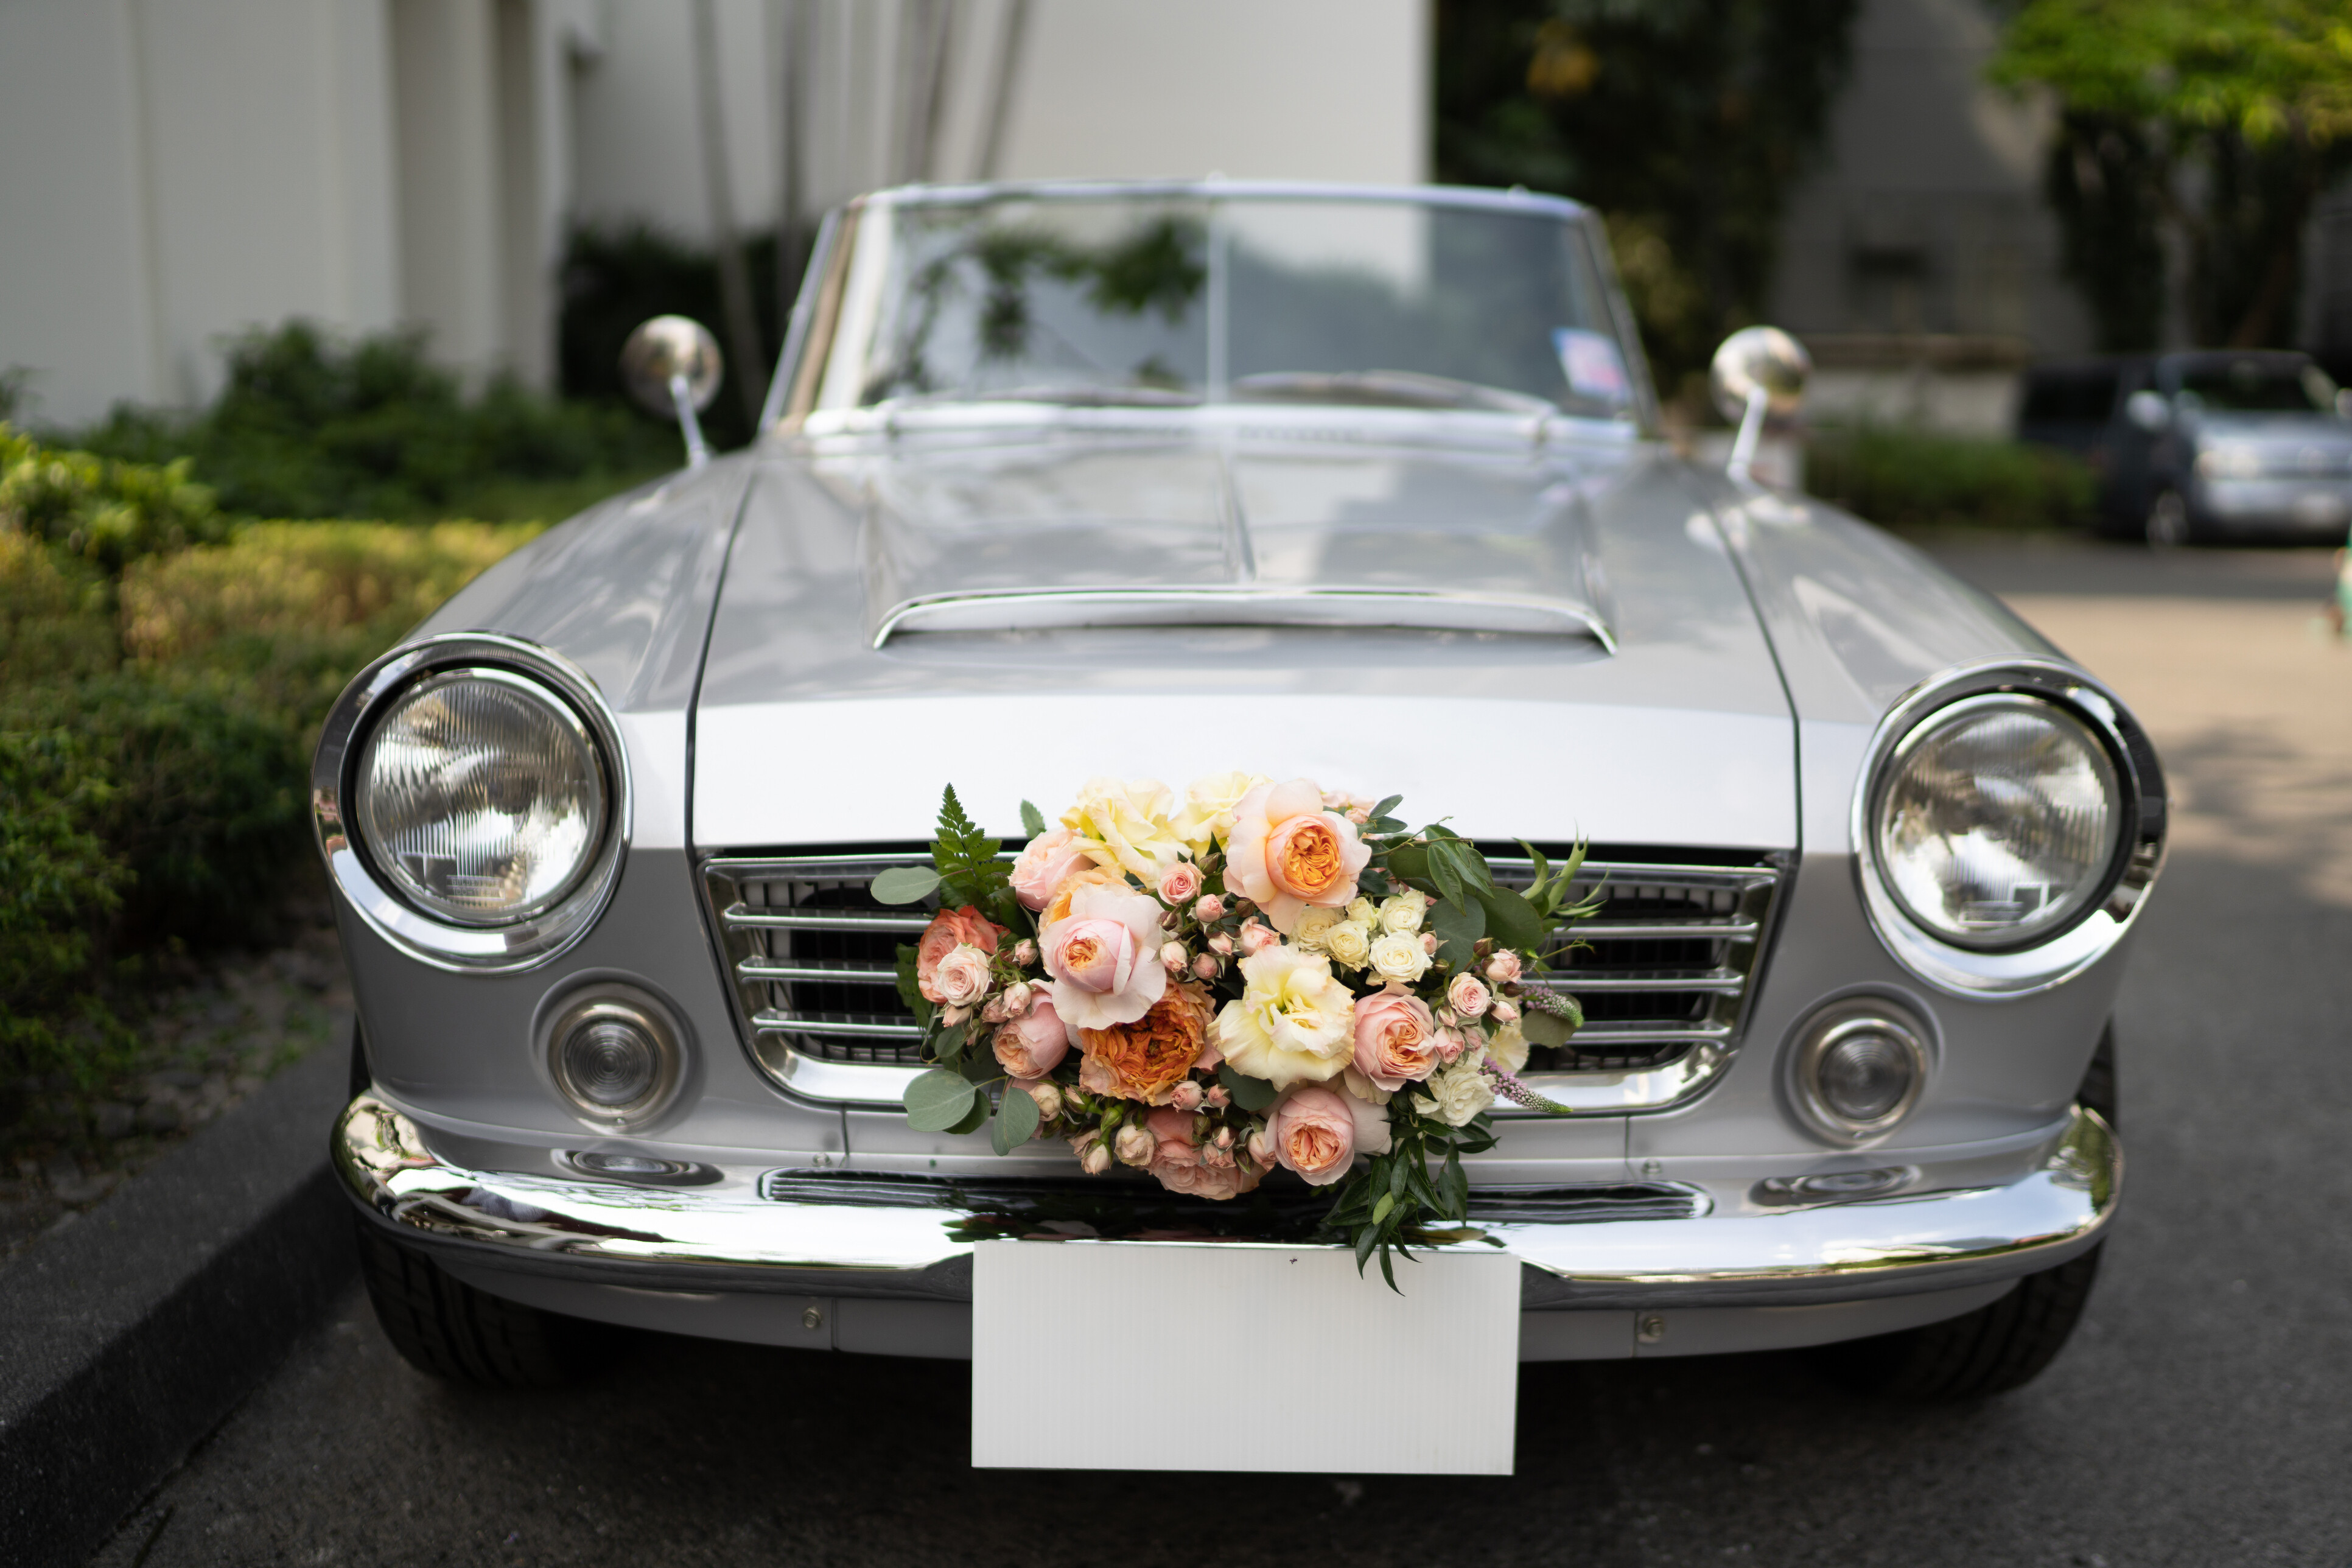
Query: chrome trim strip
x,y
816,969
728,1235
475,949
1436,609
760,919
770,1021
2001,977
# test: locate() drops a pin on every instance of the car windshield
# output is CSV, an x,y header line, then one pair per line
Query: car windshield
x,y
1188,299
2254,385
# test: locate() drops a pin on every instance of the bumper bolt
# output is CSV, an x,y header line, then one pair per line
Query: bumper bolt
x,y
812,1318
1650,1328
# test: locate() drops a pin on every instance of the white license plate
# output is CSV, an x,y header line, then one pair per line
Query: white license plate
x,y
1170,1356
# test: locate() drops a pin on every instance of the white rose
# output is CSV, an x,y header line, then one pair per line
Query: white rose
x,y
1349,944
1508,1048
1364,912
1402,915
1207,815
1399,956
1315,927
962,976
1294,1023
1127,823
1458,1093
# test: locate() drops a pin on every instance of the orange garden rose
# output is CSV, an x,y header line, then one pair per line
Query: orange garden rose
x,y
949,929
1147,1059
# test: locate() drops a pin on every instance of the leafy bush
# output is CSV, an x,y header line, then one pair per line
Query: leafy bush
x,y
310,427
64,886
54,614
104,509
1909,478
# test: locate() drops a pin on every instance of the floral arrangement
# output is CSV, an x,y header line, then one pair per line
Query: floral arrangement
x,y
1248,978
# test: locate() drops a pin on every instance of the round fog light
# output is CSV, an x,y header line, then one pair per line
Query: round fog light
x,y
1859,1069
616,1061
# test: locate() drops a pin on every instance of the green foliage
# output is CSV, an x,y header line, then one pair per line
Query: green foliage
x,y
1686,122
312,427
939,1100
1907,478
969,872
104,510
55,619
2221,119
1387,1204
65,883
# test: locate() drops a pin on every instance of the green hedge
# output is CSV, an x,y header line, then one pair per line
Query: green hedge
x,y
1907,478
156,720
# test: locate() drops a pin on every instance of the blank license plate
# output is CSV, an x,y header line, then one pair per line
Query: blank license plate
x,y
1167,1356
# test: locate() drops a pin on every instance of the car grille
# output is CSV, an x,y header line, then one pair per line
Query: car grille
x,y
1662,972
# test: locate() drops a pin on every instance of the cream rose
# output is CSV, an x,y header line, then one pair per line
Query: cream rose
x,y
1458,1093
1044,863
1292,1023
1363,912
1104,958
1287,852
1401,913
1349,944
1206,818
961,978
1396,1038
1313,926
1399,956
1507,1047
1129,824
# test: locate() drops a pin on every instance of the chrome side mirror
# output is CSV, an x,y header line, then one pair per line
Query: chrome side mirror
x,y
671,366
1759,370
2149,410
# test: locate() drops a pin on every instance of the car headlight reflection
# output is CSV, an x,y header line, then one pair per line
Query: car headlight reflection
x,y
1996,822
481,797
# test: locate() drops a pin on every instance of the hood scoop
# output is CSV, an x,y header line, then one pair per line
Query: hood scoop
x,y
1182,535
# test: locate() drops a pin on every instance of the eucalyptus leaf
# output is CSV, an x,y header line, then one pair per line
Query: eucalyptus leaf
x,y
1252,1094
1543,1029
1033,821
1016,1120
1409,864
1390,804
938,1100
974,1117
1511,921
906,884
1443,872
1458,927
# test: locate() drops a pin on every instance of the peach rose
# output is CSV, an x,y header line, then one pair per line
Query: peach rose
x,y
1180,884
1217,1182
1256,939
1396,1038
1171,1132
1287,852
1057,908
1147,1059
1314,1134
1104,957
1503,969
1044,863
1047,1093
949,929
1467,996
962,977
1033,1044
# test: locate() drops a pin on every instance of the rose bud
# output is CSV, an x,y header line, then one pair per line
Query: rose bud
x,y
993,1010
1468,996
1360,815
1261,1148
1179,883
1096,1160
1503,969
1045,1092
1451,1045
1216,1099
1173,958
1257,938
1221,945
1429,943
1024,953
1206,966
1224,1139
952,1016
1135,1144
1505,1011
1185,1096
1217,1157
1210,908
1016,998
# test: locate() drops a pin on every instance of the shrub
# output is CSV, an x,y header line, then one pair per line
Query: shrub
x,y
310,427
106,510
64,885
55,619
1909,478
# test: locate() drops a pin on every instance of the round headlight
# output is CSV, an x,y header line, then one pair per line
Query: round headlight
x,y
1997,820
481,797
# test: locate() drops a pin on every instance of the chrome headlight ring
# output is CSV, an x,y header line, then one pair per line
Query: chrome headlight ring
x,y
483,948
2093,933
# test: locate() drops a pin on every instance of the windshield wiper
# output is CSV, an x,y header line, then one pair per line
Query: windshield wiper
x,y
1387,388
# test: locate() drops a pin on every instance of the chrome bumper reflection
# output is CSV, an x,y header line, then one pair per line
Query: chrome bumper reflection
x,y
853,1234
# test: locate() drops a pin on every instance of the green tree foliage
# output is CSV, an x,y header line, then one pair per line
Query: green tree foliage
x,y
104,510
1686,122
2222,119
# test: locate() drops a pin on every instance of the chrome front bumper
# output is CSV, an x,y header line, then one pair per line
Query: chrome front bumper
x,y
856,1233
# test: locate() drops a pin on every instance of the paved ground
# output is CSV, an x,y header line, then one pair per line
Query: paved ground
x,y
2201,1416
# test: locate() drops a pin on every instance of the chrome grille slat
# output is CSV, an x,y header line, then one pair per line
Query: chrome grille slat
x,y
1663,972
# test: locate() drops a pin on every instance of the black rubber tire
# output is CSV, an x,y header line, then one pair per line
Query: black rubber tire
x,y
445,1329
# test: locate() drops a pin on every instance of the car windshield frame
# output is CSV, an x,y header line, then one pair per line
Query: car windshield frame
x,y
2208,379
857,280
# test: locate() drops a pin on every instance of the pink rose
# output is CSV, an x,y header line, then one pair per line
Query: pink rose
x,y
1505,1011
1503,969
1219,1156
1314,1134
1209,909
949,929
1033,1044
1218,1182
1102,957
1396,1039
1221,945
1288,851
1171,1132
961,978
1467,996
1256,939
1261,1147
1179,883
1450,1045
1206,966
1429,943
1185,1096
1024,953
1172,959
1017,997
1044,863
1216,1099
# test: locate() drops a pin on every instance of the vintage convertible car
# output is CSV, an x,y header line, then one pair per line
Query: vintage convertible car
x,y
1164,479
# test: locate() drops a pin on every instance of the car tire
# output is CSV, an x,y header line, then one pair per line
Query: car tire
x,y
447,1329
2168,523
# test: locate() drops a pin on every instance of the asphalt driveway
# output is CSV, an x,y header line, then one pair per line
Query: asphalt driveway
x,y
2203,1414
